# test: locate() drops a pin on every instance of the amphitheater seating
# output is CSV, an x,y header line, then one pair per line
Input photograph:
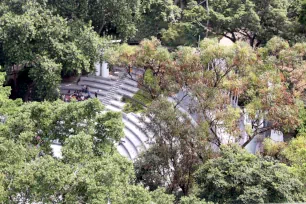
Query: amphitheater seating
x,y
112,90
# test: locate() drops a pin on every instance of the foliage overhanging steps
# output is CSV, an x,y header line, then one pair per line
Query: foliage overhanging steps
x,y
111,91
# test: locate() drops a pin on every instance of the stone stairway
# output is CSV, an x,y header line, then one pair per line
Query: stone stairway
x,y
110,95
112,90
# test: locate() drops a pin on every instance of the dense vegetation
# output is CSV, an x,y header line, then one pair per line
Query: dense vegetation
x,y
260,78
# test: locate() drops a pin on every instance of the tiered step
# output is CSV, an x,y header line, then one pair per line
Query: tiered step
x,y
129,88
112,108
123,151
111,95
134,139
130,147
125,93
134,118
135,130
95,85
130,82
71,87
117,104
113,89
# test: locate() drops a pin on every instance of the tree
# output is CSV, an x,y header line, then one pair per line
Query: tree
x,y
154,17
218,79
302,17
189,28
160,197
121,15
71,9
90,170
36,39
253,21
295,155
108,17
150,56
192,200
239,177
179,147
7,106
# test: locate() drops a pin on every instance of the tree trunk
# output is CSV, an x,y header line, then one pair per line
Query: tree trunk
x,y
252,40
101,28
207,24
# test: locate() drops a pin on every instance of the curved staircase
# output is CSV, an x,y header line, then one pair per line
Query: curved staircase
x,y
111,92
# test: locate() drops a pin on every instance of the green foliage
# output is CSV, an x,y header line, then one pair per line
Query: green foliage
x,y
302,17
160,197
189,28
59,120
302,116
108,17
295,153
181,34
155,16
35,38
138,103
151,83
6,105
239,177
46,74
272,148
250,20
193,200
151,56
178,149
89,170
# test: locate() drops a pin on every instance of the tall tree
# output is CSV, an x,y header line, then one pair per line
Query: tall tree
x,y
264,84
119,15
239,177
38,40
250,20
179,147
149,55
90,170
154,17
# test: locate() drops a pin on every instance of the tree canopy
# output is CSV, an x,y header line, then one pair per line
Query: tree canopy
x,y
240,177
36,39
202,103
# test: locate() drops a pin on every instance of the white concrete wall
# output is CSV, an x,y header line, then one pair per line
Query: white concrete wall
x,y
277,136
105,70
98,69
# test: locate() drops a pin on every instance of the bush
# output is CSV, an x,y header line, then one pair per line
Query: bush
x,y
136,104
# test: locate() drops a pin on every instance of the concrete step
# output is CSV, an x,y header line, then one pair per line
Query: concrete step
x,y
124,93
123,151
95,85
134,118
117,104
110,78
98,80
116,97
130,82
105,103
130,147
134,139
110,107
128,88
70,86
136,131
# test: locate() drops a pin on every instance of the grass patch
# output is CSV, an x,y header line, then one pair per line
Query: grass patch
x,y
135,104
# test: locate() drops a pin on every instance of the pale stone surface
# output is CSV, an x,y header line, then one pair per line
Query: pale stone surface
x,y
226,41
105,70
98,68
